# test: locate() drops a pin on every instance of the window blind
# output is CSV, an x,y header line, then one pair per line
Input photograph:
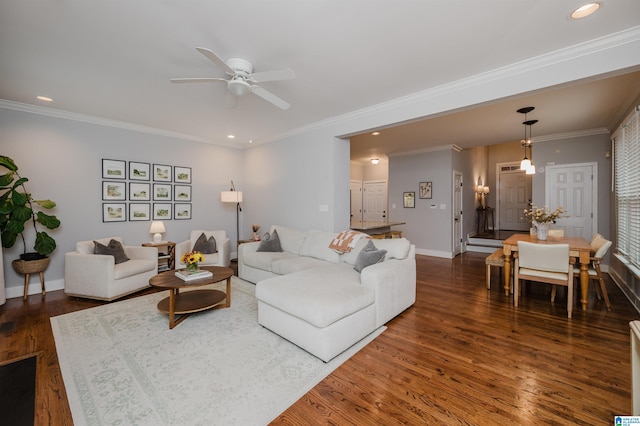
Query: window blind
x,y
626,145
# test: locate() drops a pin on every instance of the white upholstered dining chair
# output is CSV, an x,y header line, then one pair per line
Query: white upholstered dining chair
x,y
599,248
547,263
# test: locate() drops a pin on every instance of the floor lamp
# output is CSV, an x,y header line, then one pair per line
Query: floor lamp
x,y
233,196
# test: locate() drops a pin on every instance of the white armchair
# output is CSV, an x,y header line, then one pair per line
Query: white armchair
x,y
97,276
221,258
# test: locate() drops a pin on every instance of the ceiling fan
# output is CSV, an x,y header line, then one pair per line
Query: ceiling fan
x,y
242,79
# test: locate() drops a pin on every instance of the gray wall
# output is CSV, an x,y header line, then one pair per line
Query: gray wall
x,y
63,161
428,228
586,149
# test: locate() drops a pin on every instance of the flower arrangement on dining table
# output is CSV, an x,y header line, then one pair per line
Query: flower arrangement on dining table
x,y
191,260
543,214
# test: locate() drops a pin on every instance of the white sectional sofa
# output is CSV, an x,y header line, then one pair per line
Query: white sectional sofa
x,y
312,296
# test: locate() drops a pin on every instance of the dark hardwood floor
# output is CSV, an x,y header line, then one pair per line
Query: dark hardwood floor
x,y
461,355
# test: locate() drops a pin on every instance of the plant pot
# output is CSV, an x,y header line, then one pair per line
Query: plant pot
x,y
32,256
30,266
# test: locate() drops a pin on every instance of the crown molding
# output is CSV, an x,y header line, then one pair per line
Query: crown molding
x,y
451,147
90,119
569,135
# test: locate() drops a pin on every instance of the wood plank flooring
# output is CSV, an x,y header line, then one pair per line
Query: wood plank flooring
x,y
461,355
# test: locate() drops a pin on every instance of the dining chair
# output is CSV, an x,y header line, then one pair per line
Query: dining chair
x,y
556,233
599,248
547,263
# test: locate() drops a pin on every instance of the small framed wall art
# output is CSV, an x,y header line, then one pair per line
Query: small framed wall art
x,y
409,199
139,171
181,193
161,173
182,211
139,211
182,174
162,192
425,190
162,211
139,191
114,169
114,212
114,191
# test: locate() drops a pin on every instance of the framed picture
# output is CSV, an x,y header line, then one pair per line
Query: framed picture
x,y
114,169
139,171
139,191
139,211
161,173
181,211
162,211
425,190
114,190
409,199
114,212
181,193
161,192
182,174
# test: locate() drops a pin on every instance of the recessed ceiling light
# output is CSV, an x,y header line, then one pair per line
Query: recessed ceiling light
x,y
375,133
44,98
585,10
231,137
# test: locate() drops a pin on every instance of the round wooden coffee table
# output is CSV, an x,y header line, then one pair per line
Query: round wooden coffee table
x,y
189,302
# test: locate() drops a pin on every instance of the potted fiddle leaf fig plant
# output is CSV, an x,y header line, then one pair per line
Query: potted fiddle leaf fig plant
x,y
18,209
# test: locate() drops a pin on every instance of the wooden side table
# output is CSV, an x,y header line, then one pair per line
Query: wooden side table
x,y
166,261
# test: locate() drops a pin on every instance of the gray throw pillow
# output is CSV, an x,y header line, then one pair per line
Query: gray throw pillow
x,y
368,256
204,245
114,249
270,242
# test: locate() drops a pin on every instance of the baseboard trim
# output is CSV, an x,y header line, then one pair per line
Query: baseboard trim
x,y
34,288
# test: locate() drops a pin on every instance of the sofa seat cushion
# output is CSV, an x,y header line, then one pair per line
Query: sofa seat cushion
x,y
319,296
133,267
295,264
263,260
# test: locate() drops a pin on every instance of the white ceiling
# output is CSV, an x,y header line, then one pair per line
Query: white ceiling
x,y
113,59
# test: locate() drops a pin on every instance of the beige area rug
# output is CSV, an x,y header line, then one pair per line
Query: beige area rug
x,y
123,366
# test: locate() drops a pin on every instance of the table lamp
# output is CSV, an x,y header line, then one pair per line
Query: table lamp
x,y
157,229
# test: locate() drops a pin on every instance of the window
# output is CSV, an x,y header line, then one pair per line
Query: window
x,y
626,146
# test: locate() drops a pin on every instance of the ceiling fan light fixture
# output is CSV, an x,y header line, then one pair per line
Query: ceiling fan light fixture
x,y
238,87
375,160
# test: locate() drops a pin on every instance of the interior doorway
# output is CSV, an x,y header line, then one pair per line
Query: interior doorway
x,y
375,201
514,196
572,187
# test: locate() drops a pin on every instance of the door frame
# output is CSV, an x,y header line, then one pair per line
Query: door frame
x,y
594,188
499,166
457,202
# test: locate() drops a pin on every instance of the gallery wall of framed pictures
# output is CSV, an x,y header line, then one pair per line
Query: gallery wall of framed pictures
x,y
138,191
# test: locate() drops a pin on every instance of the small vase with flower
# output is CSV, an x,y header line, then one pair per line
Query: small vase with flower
x,y
191,261
542,218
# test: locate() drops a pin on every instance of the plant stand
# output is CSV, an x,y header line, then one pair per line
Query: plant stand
x,y
28,267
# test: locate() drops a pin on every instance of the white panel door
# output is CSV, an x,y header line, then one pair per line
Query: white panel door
x,y
571,186
457,213
375,201
355,188
514,197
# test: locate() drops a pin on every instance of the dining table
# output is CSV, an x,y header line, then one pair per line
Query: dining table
x,y
579,249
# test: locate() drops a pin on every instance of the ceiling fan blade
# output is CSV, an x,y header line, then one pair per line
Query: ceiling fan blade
x,y
215,59
270,97
275,75
197,80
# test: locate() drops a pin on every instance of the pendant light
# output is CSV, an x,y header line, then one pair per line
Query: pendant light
x,y
525,143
